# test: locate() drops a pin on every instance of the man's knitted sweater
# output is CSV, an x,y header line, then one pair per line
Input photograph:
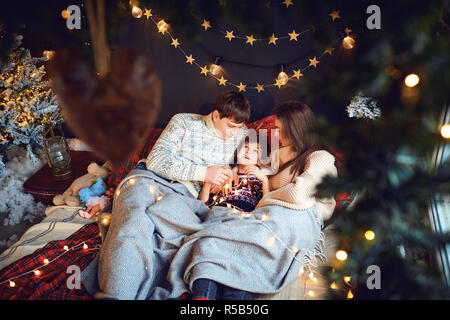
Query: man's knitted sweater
x,y
187,146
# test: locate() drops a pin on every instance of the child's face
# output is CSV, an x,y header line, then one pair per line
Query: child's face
x,y
248,154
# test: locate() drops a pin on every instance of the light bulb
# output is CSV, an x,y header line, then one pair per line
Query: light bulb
x,y
234,210
271,240
350,295
105,221
348,42
333,286
65,14
159,198
85,246
12,284
369,235
314,279
283,78
37,272
131,181
347,279
66,248
294,250
46,261
341,255
49,54
412,80
445,131
311,275
136,12
311,293
264,217
215,70
162,26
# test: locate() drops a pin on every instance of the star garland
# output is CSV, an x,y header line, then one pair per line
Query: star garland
x,y
282,78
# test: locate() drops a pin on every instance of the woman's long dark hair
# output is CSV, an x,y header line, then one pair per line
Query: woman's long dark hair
x,y
298,123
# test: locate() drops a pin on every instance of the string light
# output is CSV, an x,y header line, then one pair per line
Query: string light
x,y
37,272
314,279
412,80
66,248
131,181
215,68
12,284
311,275
333,286
85,246
369,235
350,295
311,293
136,12
445,131
341,255
348,42
283,78
65,14
46,261
159,198
347,279
162,26
49,54
271,240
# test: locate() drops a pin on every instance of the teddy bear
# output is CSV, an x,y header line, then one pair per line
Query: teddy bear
x,y
71,197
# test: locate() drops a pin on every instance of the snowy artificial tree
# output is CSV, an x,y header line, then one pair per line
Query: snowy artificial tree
x,y
27,104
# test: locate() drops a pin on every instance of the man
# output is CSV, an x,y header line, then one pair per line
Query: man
x,y
191,150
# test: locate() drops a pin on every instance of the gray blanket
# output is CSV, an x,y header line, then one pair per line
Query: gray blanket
x,y
156,249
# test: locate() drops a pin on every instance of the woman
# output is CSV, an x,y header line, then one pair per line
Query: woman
x,y
262,251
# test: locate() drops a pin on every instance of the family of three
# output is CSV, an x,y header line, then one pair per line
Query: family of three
x,y
170,235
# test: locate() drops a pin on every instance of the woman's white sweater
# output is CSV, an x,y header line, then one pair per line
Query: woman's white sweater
x,y
298,192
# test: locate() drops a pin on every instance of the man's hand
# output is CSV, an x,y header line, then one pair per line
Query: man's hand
x,y
217,175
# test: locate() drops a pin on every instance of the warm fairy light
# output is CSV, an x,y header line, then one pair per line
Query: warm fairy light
x,y
311,275
215,198
66,248
333,286
283,78
65,14
445,131
348,42
49,54
347,279
314,279
350,295
162,26
105,221
244,182
228,205
159,198
37,272
136,12
369,235
311,293
221,200
234,210
341,255
264,217
271,240
294,250
302,270
46,261
131,181
412,80
152,189
12,283
85,246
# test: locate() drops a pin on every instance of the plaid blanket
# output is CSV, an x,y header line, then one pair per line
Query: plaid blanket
x,y
51,283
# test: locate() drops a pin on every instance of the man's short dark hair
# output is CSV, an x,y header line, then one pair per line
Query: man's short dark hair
x,y
233,105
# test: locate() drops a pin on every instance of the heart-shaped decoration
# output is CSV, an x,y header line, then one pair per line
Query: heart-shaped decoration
x,y
111,114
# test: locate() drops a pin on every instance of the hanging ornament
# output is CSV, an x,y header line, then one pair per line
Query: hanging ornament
x,y
282,76
136,12
215,68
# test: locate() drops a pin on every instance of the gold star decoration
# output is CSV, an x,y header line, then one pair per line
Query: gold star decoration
x,y
222,81
278,83
175,42
250,39
313,62
334,15
206,24
347,31
259,87
241,87
329,50
273,39
204,70
288,3
230,35
148,13
293,35
297,74
189,59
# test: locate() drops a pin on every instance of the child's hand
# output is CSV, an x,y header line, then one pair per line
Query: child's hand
x,y
254,170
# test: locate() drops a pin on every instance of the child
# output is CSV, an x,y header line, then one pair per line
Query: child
x,y
243,192
247,186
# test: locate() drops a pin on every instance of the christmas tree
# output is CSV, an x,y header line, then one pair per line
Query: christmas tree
x,y
27,104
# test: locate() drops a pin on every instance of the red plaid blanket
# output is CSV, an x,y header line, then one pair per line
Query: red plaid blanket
x,y
51,283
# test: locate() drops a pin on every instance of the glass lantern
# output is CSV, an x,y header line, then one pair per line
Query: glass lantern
x,y
57,153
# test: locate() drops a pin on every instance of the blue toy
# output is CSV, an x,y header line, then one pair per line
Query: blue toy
x,y
96,190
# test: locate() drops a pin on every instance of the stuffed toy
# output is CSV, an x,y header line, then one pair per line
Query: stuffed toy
x,y
96,190
70,197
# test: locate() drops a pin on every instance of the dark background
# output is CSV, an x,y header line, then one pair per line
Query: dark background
x,y
184,88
